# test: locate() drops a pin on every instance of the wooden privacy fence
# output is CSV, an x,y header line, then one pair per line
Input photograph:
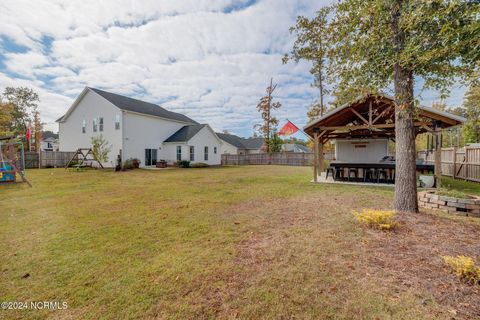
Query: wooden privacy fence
x,y
279,158
458,163
47,159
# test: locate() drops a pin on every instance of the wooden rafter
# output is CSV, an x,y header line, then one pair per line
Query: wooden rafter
x,y
377,126
382,114
360,116
370,115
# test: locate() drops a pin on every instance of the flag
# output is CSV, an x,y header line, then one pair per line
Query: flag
x,y
28,135
288,129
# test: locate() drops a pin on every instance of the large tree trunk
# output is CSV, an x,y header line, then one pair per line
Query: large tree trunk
x,y
405,171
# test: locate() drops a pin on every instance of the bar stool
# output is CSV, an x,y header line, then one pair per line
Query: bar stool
x,y
330,170
354,171
370,173
380,173
392,176
339,173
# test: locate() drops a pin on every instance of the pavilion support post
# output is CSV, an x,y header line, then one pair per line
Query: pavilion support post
x,y
438,157
454,164
315,156
320,157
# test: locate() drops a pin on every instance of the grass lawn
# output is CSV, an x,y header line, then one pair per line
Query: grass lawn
x,y
237,242
461,185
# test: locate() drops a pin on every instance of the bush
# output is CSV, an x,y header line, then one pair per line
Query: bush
x,y
380,219
135,163
183,164
464,268
199,165
128,165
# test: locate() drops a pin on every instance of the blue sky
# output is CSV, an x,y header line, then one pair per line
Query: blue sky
x,y
208,59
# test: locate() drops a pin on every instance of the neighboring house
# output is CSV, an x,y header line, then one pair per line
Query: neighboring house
x,y
136,129
295,147
49,144
233,144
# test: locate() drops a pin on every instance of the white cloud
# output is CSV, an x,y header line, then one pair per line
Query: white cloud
x,y
210,59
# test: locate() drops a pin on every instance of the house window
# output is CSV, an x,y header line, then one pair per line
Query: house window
x,y
49,145
150,157
206,154
84,126
179,153
94,124
100,122
215,150
192,153
117,122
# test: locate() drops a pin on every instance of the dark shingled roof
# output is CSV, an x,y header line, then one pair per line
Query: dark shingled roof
x,y
134,105
241,143
185,133
49,134
234,140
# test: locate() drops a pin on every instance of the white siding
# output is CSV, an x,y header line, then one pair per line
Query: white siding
x,y
374,151
91,106
145,132
205,137
227,148
170,151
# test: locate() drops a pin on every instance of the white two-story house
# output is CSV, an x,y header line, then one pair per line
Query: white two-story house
x,y
136,129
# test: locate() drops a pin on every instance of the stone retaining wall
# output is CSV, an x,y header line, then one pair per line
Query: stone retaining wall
x,y
466,207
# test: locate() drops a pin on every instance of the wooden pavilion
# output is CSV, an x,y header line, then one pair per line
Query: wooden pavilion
x,y
373,117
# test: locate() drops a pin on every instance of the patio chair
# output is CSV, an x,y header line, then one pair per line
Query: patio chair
x,y
330,170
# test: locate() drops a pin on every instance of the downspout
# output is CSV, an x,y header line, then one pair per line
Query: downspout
x,y
123,140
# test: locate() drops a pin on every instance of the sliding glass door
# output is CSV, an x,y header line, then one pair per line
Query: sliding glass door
x,y
150,157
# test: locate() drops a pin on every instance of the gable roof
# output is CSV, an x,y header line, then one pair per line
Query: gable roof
x,y
49,134
234,140
50,139
132,105
253,143
349,119
241,143
185,133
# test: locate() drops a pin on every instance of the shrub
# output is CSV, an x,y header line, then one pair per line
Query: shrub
x,y
183,164
100,148
127,165
135,163
199,165
464,268
381,219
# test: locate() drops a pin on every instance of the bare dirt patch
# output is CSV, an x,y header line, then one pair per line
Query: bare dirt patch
x,y
411,257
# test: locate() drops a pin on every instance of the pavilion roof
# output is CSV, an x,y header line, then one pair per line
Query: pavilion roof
x,y
374,116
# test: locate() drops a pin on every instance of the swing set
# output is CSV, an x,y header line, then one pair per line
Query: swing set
x,y
12,160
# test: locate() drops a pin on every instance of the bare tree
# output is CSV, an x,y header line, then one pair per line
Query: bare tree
x,y
265,107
